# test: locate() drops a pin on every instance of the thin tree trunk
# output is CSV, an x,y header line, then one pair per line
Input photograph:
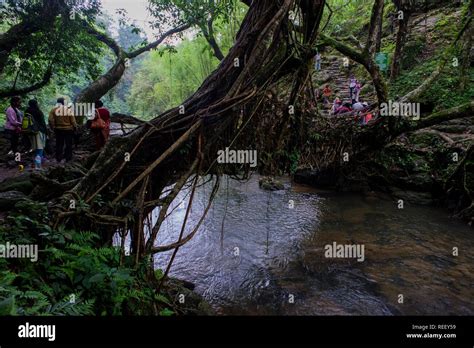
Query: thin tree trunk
x,y
466,53
208,33
400,44
374,35
378,38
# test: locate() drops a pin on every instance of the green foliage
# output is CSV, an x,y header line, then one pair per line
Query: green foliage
x,y
166,80
65,46
446,26
79,58
443,93
349,16
166,312
178,12
74,275
170,75
413,52
315,137
294,161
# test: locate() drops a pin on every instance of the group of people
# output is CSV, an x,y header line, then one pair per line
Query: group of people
x,y
361,109
30,127
354,91
354,104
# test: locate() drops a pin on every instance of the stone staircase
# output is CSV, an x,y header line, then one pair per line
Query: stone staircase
x,y
334,73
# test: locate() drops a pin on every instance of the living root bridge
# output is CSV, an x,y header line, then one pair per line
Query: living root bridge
x,y
174,147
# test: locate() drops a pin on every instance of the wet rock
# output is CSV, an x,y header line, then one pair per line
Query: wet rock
x,y
270,184
194,304
414,197
315,178
9,199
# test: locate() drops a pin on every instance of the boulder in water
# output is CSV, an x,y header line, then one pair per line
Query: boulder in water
x,y
270,184
316,178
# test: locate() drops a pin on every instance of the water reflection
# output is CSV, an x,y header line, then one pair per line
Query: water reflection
x,y
257,254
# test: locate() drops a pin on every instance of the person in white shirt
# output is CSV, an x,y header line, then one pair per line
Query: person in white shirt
x,y
317,59
358,106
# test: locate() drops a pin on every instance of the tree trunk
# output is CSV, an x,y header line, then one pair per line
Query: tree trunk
x,y
400,44
466,53
210,38
263,53
374,36
366,60
103,84
378,38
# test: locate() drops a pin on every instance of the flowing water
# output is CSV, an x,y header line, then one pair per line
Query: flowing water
x,y
263,253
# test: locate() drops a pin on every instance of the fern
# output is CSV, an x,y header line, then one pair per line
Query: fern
x,y
71,263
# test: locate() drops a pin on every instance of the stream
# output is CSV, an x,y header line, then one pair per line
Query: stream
x,y
267,256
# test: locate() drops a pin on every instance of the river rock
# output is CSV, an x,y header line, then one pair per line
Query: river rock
x,y
414,197
315,178
9,199
270,184
194,303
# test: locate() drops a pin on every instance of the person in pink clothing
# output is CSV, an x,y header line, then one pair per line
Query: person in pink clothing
x,y
13,123
358,87
352,86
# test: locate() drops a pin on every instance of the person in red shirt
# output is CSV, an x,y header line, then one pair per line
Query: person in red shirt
x,y
326,94
101,135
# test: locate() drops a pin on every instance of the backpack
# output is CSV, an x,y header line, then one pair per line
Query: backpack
x,y
98,123
27,124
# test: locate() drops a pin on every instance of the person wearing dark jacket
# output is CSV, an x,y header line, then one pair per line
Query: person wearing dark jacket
x,y
62,121
39,129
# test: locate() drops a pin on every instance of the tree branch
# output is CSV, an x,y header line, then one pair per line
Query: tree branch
x,y
34,23
464,110
25,90
344,49
111,78
365,60
156,43
208,33
104,38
